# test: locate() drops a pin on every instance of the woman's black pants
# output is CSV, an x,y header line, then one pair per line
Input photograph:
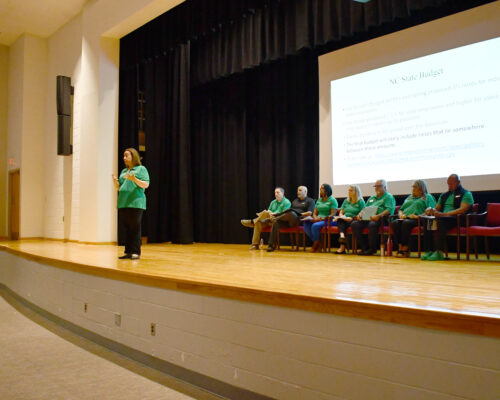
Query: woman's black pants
x,y
401,229
131,219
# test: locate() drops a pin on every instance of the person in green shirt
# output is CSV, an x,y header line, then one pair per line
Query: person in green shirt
x,y
456,201
386,205
413,206
131,185
326,206
278,205
350,209
302,206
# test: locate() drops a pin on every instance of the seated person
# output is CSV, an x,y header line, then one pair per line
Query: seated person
x,y
414,205
385,204
302,206
456,201
351,207
278,205
325,206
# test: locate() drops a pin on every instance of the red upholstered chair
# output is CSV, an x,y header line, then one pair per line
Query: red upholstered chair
x,y
327,231
418,231
460,230
491,226
294,232
266,229
294,235
383,230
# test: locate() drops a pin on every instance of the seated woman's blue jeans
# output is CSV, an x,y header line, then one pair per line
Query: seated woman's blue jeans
x,y
312,229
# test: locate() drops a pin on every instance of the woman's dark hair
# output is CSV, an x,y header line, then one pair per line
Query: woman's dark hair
x,y
136,158
328,189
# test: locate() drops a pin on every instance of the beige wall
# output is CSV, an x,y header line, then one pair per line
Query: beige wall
x,y
32,164
15,101
26,113
4,86
108,101
62,205
15,109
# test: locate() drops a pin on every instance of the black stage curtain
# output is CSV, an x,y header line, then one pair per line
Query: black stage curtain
x,y
168,147
127,118
250,133
228,36
127,122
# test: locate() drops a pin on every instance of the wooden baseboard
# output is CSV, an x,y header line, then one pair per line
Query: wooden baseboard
x,y
67,240
82,242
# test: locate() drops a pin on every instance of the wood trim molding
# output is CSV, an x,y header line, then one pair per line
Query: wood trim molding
x,y
67,240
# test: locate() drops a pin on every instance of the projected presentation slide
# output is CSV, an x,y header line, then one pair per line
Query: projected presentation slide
x,y
435,113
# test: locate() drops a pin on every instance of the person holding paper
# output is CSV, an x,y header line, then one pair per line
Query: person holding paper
x,y
302,206
325,206
350,209
414,205
380,205
278,205
456,201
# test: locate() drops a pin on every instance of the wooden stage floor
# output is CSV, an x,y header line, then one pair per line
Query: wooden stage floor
x,y
452,295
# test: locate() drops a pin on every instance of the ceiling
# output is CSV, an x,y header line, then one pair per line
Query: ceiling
x,y
38,17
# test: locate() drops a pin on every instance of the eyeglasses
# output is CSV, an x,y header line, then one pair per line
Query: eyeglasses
x,y
378,185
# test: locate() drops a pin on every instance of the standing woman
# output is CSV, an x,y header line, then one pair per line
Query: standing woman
x,y
131,184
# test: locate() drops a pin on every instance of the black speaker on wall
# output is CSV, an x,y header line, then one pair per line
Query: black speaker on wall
x,y
64,147
64,110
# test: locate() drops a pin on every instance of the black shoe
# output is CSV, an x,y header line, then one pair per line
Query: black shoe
x,y
125,256
270,248
368,252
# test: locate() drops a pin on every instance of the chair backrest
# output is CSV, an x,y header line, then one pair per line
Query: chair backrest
x,y
493,216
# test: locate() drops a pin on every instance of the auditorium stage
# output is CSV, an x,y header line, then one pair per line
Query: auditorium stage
x,y
451,295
